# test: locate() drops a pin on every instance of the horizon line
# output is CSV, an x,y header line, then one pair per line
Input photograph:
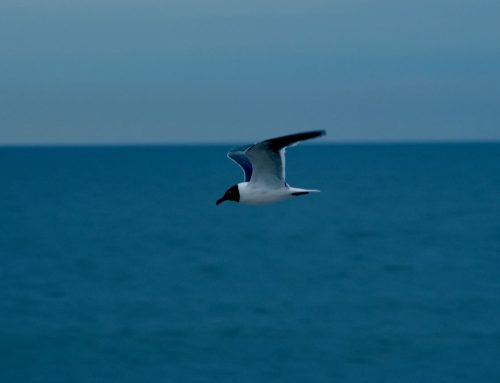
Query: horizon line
x,y
229,143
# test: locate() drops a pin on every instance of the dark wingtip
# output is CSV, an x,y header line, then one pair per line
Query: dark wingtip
x,y
284,141
314,133
296,194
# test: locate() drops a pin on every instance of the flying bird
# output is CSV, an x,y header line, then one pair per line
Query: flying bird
x,y
263,166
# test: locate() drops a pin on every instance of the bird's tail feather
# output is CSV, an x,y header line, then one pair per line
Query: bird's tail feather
x,y
298,191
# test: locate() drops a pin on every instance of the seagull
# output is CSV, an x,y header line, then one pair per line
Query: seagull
x,y
263,166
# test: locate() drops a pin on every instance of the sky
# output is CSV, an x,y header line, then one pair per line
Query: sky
x,y
181,71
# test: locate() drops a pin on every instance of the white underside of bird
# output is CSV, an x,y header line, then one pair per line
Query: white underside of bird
x,y
255,194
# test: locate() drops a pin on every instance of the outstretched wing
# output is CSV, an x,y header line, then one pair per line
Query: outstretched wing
x,y
239,156
268,158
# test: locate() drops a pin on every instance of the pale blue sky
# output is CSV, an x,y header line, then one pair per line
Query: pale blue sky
x,y
109,71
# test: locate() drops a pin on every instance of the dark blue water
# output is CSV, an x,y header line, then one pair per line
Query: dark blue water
x,y
116,266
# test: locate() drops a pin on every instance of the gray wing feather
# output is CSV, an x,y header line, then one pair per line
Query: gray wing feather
x,y
268,158
268,165
239,157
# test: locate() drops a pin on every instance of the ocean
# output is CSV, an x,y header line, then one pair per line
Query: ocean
x,y
116,266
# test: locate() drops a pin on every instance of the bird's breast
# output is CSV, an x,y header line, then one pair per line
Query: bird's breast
x,y
258,196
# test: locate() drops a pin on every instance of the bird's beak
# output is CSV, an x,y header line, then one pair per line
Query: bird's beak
x,y
220,200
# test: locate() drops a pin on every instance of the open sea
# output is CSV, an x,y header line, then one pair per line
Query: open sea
x,y
116,266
